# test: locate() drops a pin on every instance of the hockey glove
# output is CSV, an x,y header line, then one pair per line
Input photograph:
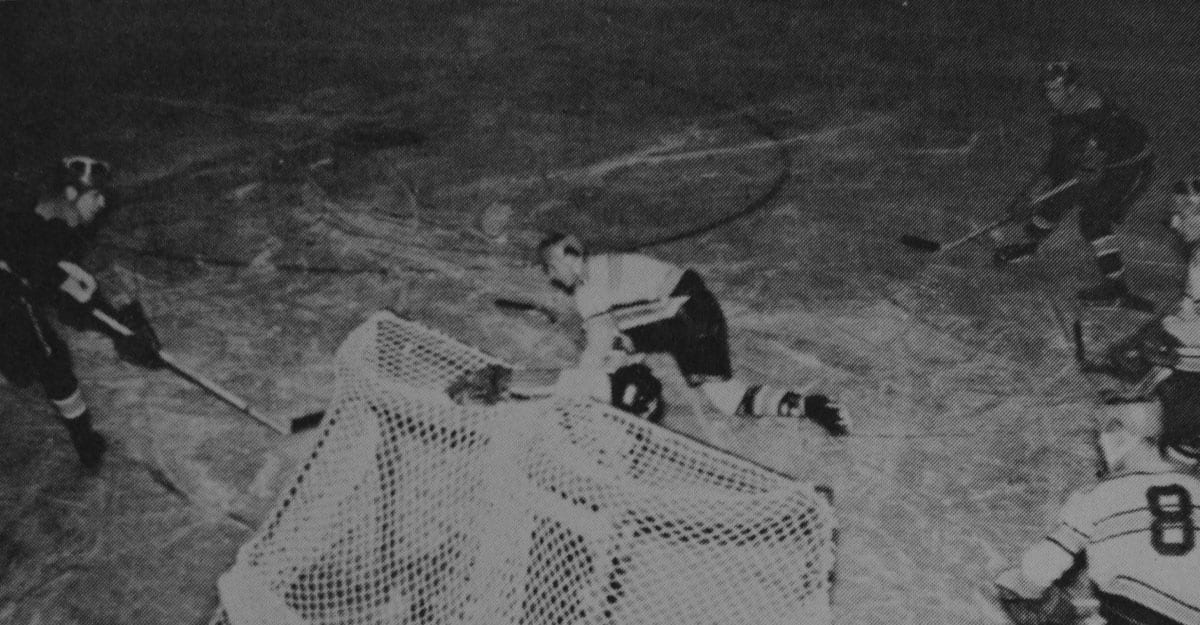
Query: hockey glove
x,y
485,386
1158,346
1053,607
824,412
1132,358
141,348
635,389
1126,362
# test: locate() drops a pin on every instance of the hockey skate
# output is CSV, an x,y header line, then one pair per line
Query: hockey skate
x,y
89,444
1114,294
1014,253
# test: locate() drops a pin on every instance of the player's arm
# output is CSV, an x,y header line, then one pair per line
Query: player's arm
x,y
573,382
1042,564
1028,593
494,383
601,338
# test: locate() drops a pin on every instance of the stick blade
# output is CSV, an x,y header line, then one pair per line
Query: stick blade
x,y
919,244
307,422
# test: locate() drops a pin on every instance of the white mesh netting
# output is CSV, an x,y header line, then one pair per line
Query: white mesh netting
x,y
411,509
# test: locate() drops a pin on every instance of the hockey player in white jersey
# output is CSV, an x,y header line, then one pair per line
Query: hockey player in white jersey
x,y
635,304
1137,528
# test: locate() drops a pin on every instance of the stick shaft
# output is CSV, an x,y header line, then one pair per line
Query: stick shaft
x,y
194,377
1004,220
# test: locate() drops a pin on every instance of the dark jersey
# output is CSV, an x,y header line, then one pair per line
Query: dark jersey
x,y
1098,137
32,247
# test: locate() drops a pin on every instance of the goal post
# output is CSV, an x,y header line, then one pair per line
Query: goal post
x,y
412,509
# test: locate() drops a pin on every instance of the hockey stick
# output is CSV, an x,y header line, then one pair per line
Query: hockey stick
x,y
506,304
921,244
199,380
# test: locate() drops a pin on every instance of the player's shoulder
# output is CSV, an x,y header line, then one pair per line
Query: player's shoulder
x,y
1135,483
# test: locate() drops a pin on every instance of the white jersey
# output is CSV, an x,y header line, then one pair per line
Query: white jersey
x,y
612,280
1140,534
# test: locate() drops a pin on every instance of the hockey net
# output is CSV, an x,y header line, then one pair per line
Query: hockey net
x,y
412,509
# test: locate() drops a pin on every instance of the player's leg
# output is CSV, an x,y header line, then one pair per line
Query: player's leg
x,y
1101,210
54,369
21,345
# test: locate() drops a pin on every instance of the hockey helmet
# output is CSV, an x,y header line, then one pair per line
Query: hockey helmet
x,y
559,244
1187,189
83,173
561,258
1059,74
635,389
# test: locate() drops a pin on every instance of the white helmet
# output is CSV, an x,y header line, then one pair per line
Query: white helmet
x,y
83,173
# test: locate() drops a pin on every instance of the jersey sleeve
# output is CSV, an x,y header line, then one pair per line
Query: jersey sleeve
x,y
1076,524
1046,560
615,280
593,297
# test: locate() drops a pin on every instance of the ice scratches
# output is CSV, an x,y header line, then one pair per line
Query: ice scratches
x,y
171,486
50,546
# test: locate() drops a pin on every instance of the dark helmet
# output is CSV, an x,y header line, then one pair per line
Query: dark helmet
x,y
83,173
636,390
559,243
1064,73
1187,187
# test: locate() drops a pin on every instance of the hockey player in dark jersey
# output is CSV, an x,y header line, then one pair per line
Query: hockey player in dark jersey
x,y
41,247
632,304
1107,151
1137,527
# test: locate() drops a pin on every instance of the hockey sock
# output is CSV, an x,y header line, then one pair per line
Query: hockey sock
x,y
71,406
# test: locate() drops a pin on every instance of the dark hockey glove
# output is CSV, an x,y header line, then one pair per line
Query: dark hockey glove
x,y
485,386
1158,346
635,389
1126,362
1054,607
1132,358
825,413
141,348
